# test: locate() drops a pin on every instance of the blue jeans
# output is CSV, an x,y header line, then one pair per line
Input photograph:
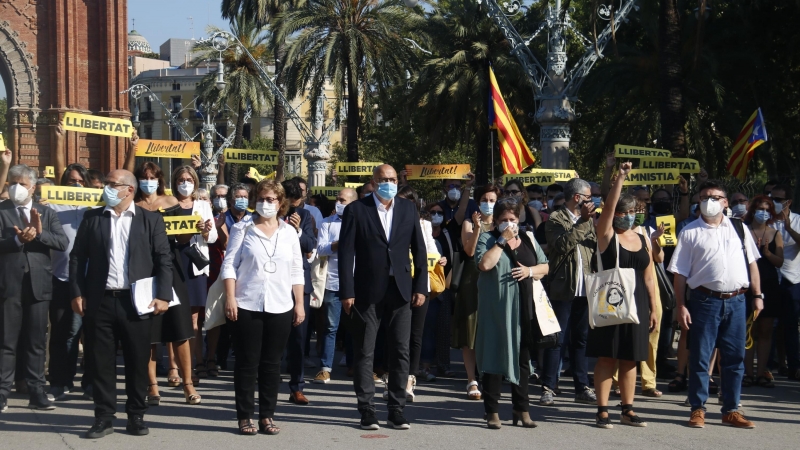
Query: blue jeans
x,y
65,331
333,308
790,308
721,324
573,317
429,331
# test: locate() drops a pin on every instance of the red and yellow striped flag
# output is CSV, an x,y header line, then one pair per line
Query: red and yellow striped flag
x,y
514,153
752,135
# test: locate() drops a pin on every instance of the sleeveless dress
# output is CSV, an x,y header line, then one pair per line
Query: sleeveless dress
x,y
628,342
770,286
465,314
197,285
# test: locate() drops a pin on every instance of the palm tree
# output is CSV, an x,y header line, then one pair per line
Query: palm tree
x,y
244,86
359,45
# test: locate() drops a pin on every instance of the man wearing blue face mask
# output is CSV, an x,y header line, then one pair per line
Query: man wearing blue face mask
x,y
238,199
788,224
376,235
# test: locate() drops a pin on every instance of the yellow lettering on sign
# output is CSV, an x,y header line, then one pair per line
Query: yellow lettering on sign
x,y
167,149
639,177
75,196
182,224
267,158
684,165
356,168
668,239
433,260
438,171
97,125
629,151
331,192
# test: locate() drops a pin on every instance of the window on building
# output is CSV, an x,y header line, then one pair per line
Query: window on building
x,y
148,105
176,103
176,86
293,163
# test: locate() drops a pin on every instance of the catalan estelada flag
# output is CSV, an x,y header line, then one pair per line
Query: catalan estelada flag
x,y
514,153
752,135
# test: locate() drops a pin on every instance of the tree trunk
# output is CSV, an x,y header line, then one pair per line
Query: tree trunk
x,y
670,73
279,118
238,141
353,116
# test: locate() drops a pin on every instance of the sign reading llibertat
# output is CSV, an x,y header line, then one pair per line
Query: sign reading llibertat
x,y
167,149
97,125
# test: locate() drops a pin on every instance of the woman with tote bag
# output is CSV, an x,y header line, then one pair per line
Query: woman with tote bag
x,y
624,344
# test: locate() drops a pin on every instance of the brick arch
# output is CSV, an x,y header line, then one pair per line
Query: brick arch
x,y
21,85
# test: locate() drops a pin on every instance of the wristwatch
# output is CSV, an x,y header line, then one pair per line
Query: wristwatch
x,y
761,296
501,241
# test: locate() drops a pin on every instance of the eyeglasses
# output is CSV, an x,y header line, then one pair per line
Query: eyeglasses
x,y
437,213
115,185
453,186
778,199
716,198
513,191
741,201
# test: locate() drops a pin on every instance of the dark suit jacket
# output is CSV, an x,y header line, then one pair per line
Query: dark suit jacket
x,y
12,257
149,256
308,242
362,242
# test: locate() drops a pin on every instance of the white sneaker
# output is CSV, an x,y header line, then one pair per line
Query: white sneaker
x,y
410,393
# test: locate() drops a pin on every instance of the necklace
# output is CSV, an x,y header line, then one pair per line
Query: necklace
x,y
759,240
270,266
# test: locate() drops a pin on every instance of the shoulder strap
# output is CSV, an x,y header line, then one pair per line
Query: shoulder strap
x,y
449,243
739,227
526,241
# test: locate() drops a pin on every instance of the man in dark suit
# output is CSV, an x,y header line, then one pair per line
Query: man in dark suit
x,y
115,247
303,222
376,236
29,232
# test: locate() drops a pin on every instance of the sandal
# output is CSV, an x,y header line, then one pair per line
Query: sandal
x,y
473,394
678,384
192,399
713,387
765,382
629,418
153,400
173,381
268,428
213,369
747,381
655,393
247,428
200,370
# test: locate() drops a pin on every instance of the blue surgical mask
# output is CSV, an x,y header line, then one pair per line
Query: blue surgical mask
x,y
241,203
148,186
625,222
387,190
111,196
762,216
487,208
597,200
535,204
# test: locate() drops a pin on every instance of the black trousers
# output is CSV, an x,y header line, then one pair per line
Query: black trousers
x,y
493,383
65,332
296,350
366,320
24,335
417,331
115,320
258,341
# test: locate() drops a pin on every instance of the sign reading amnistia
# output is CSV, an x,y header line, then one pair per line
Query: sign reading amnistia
x,y
264,157
638,177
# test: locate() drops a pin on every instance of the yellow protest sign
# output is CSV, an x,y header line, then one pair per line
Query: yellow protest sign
x,y
75,196
253,173
182,224
438,171
356,168
668,239
235,155
168,191
167,149
49,172
2,143
330,192
433,260
629,151
353,185
530,178
639,177
97,125
684,165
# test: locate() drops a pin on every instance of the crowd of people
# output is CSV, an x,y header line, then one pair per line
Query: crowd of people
x,y
355,271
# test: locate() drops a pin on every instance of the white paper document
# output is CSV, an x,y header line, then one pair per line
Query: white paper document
x,y
143,293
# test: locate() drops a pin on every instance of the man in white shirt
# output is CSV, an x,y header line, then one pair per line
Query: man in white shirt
x,y
328,247
788,224
710,260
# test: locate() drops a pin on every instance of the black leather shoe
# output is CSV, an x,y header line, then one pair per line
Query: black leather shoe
x,y
136,426
99,429
40,401
369,421
3,404
397,420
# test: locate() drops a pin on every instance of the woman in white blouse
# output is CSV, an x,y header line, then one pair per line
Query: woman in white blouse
x,y
263,273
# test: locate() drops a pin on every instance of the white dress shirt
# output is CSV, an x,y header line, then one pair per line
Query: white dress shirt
x,y
580,286
119,248
328,234
385,215
791,250
70,217
711,256
27,210
245,260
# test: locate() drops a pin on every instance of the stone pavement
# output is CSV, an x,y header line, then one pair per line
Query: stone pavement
x,y
442,418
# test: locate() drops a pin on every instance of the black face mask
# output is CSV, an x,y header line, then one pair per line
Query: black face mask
x,y
662,208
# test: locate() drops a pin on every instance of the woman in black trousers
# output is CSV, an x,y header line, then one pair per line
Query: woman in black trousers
x,y
263,273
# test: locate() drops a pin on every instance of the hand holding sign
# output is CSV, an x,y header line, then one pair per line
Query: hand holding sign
x,y
5,158
667,237
611,160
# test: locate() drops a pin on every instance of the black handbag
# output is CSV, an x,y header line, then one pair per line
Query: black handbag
x,y
665,289
197,257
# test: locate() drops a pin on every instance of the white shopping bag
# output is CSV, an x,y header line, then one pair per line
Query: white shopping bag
x,y
548,323
611,294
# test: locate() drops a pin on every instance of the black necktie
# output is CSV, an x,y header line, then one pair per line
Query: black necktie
x,y
25,224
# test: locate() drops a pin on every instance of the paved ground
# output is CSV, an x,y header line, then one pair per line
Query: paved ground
x,y
441,419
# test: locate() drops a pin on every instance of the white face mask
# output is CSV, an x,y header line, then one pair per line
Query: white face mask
x,y
739,210
186,188
19,194
778,207
220,203
503,226
454,195
437,219
266,210
710,208
340,209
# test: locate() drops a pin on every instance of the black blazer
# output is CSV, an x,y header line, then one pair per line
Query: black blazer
x,y
362,242
308,242
12,257
149,256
